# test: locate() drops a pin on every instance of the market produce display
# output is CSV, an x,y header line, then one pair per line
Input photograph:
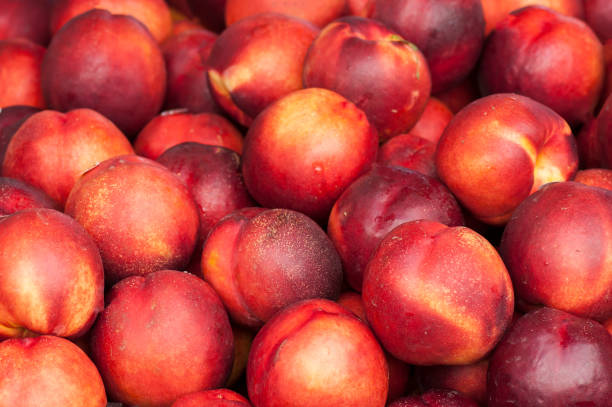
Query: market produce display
x,y
289,203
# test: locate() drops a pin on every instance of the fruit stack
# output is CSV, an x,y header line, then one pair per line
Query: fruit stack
x,y
322,203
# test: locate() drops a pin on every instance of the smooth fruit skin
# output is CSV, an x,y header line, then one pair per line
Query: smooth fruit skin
x,y
527,53
257,61
11,118
598,15
20,70
212,398
317,12
469,380
162,336
52,281
48,371
595,177
261,261
51,150
316,353
450,33
154,14
377,202
305,149
146,220
437,295
16,195
385,75
500,149
27,19
108,63
435,398
558,249
552,358
604,132
178,126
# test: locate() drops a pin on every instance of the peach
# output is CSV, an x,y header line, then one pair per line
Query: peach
x,y
212,176
552,358
316,353
595,177
212,398
399,372
450,33
20,73
435,294
304,150
154,14
410,152
108,63
500,149
210,13
608,60
261,261
604,132
162,336
435,398
257,61
243,338
370,65
48,371
527,53
178,126
377,202
51,149
589,146
459,96
16,195
360,8
558,249
470,380
52,280
496,10
598,15
317,12
187,82
27,19
10,119
433,121
140,215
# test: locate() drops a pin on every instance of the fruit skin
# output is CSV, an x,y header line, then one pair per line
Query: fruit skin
x,y
27,19
558,249
52,280
552,358
16,195
162,336
450,33
212,398
372,66
11,118
527,53
316,353
51,150
317,12
257,61
604,132
305,149
437,295
212,176
174,127
261,261
435,398
210,13
595,177
20,70
377,202
153,14
48,371
598,15
147,220
469,380
185,54
123,76
496,10
500,149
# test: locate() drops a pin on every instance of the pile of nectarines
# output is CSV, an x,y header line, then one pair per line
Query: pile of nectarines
x,y
305,203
